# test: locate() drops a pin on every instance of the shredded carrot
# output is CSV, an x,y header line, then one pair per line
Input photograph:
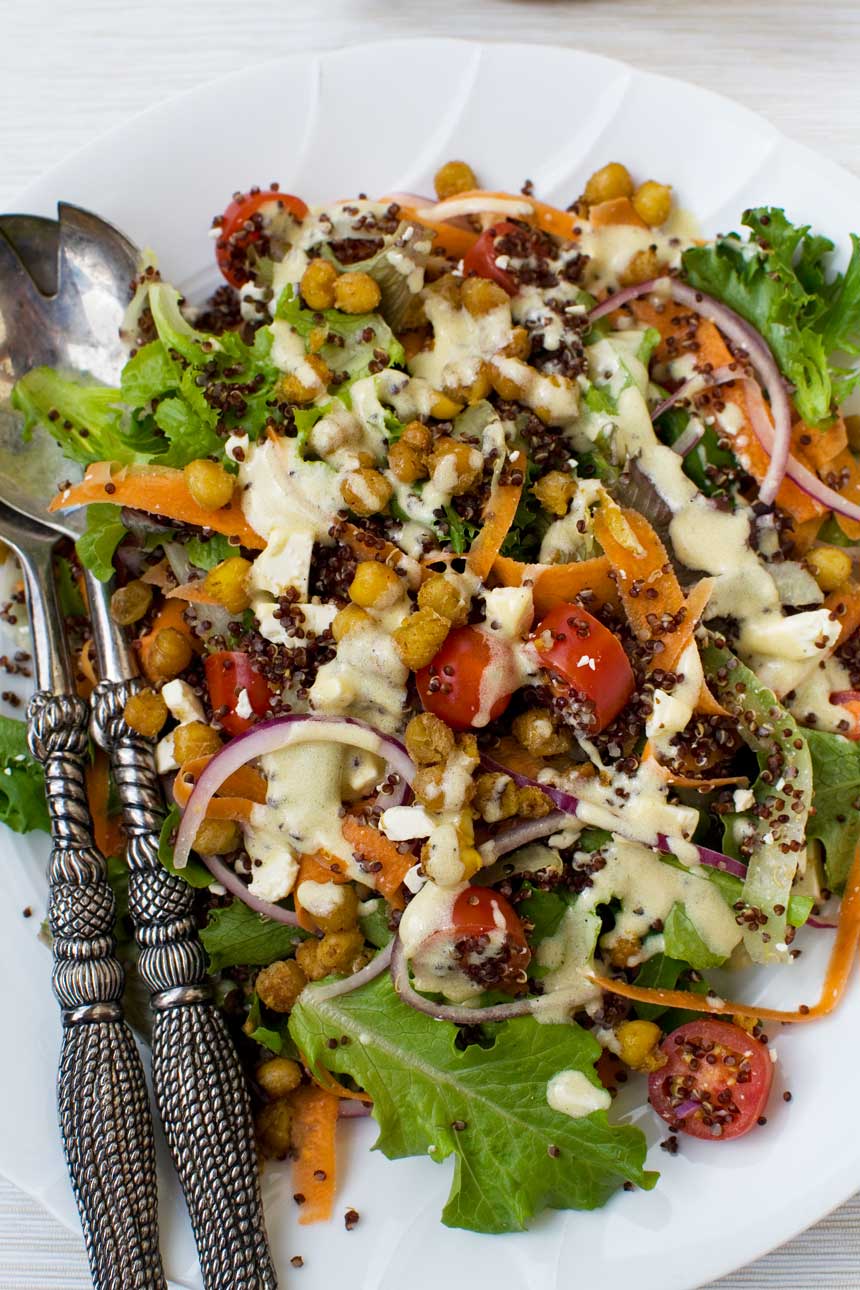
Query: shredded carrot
x,y
315,1112
315,866
556,584
86,679
373,846
836,979
107,829
845,472
844,605
171,614
160,575
449,237
703,785
245,783
325,1080
193,593
619,210
161,490
551,219
817,448
498,518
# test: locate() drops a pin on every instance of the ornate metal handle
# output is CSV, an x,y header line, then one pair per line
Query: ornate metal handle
x,y
103,1104
199,1086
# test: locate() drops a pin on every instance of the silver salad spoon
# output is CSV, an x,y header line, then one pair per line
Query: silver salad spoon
x,y
64,285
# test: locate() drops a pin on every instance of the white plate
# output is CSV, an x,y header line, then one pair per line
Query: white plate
x,y
380,118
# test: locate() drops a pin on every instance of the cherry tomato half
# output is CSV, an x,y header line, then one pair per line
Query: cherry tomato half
x,y
584,656
228,674
484,941
479,910
481,259
240,229
722,1070
470,677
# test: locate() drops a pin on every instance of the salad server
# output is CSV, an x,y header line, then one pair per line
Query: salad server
x,y
62,303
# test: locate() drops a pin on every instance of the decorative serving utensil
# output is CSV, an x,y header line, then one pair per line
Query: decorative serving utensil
x,y
63,288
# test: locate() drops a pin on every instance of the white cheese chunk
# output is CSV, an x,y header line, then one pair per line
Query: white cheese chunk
x,y
317,619
182,702
273,879
285,562
402,823
799,637
165,755
509,611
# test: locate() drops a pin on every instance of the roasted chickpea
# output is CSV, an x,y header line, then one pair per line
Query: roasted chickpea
x,y
653,202
168,655
128,604
343,916
495,797
279,1076
434,790
638,1042
611,181
555,491
356,293
481,296
532,804
443,408
307,958
317,337
417,436
366,492
441,594
217,837
317,285
209,484
274,1126
281,983
453,178
519,346
830,566
375,586
428,739
350,619
227,583
624,951
146,712
536,732
302,390
337,951
511,381
194,739
419,638
644,265
852,430
460,465
448,286
405,463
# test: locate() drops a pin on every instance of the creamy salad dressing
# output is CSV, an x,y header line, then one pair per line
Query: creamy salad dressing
x,y
461,342
574,1094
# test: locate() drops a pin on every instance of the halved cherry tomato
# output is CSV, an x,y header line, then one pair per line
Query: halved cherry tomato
x,y
228,674
481,259
583,655
479,910
718,1067
468,675
485,941
239,229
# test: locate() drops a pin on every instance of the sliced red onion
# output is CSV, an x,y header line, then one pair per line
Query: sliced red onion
x,y
845,696
520,834
460,1016
570,805
350,1108
741,334
271,736
684,1109
231,882
688,440
456,207
820,924
696,384
377,965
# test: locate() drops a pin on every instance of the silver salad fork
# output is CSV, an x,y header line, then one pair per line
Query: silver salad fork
x,y
63,288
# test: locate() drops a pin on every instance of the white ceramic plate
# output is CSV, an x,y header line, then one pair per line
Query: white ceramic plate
x,y
381,118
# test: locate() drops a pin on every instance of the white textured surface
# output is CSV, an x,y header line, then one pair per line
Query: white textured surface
x,y
68,72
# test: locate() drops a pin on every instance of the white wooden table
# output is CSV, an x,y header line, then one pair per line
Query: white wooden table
x,y
69,71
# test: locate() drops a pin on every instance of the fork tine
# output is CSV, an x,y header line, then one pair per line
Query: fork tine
x,y
36,239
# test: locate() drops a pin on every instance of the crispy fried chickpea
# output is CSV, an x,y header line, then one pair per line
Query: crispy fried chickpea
x,y
405,463
852,430
441,594
624,951
460,466
274,1126
481,296
168,655
449,287
317,337
830,566
519,346
453,178
279,1076
366,492
217,837
536,732
146,712
554,491
306,958
417,436
610,181
195,739
433,789
644,265
428,739
281,983
356,293
295,389
375,586
317,285
419,638
532,804
350,619
653,202
495,797
227,583
638,1042
128,604
443,407
343,916
209,484
508,383
338,951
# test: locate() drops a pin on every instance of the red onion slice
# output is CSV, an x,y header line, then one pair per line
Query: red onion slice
x,y
687,441
271,736
845,696
741,334
820,924
696,384
351,1108
684,1109
231,882
520,834
443,1011
377,965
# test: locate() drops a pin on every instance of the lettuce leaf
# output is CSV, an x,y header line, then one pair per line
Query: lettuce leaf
x,y
235,935
683,942
836,799
354,354
423,1084
779,281
88,420
22,782
104,532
